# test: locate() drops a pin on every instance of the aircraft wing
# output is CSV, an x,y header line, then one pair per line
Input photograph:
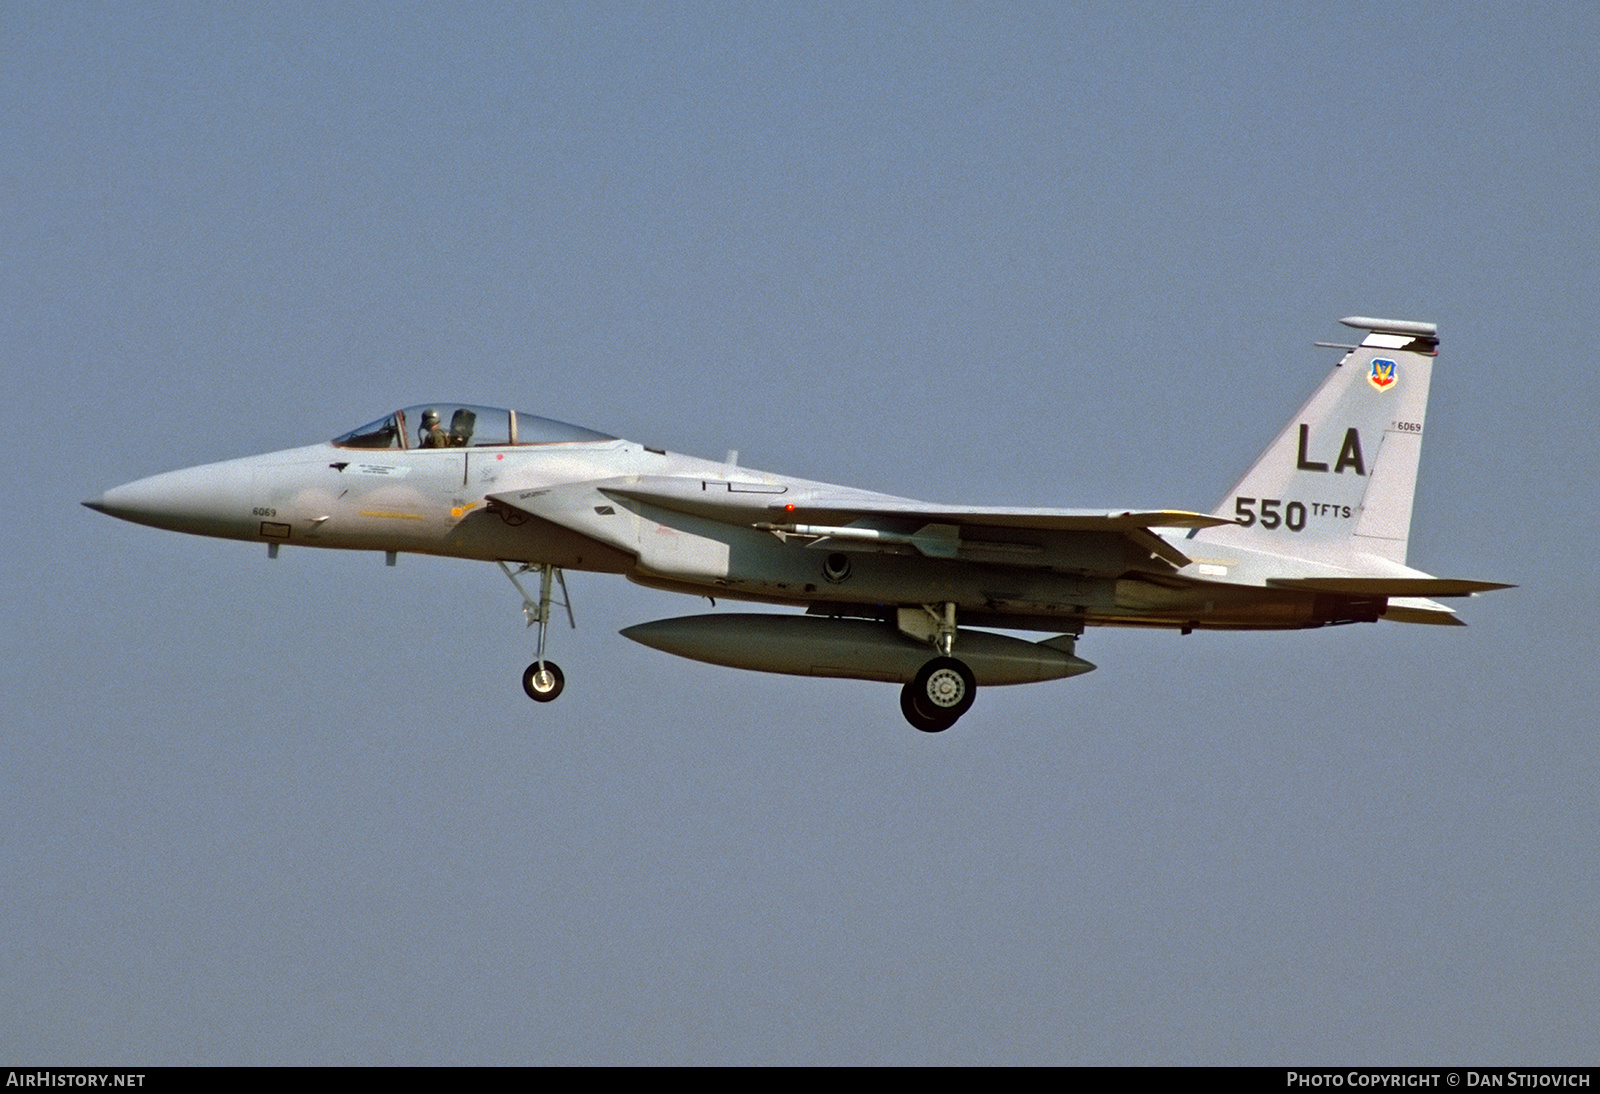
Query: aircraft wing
x,y
732,500
944,531
832,517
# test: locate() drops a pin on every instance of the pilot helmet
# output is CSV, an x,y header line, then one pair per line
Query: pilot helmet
x,y
430,416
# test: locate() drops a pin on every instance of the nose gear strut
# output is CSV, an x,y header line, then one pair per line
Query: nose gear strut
x,y
543,679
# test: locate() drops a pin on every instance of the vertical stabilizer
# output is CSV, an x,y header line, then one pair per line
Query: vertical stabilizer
x,y
1338,480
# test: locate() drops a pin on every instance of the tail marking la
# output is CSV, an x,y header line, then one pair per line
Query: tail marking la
x,y
1349,453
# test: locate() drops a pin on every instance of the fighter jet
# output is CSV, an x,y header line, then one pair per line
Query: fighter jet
x,y
893,589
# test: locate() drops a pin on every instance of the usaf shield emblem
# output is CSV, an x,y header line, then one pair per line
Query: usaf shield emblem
x,y
1382,375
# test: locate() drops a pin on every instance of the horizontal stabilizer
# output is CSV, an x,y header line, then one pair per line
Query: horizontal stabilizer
x,y
1388,586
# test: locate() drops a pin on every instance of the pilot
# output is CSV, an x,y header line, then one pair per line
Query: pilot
x,y
432,436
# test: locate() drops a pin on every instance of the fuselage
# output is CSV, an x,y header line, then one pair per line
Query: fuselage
x,y
442,501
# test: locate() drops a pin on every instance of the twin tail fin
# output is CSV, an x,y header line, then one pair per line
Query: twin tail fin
x,y
1336,484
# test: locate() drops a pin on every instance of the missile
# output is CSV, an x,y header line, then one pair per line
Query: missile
x,y
933,540
854,649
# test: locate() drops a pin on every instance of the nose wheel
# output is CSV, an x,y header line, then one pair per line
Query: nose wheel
x,y
543,681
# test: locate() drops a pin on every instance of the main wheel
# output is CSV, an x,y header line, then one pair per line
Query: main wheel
x,y
543,682
908,707
943,689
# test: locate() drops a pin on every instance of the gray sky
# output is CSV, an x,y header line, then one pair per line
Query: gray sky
x,y
299,811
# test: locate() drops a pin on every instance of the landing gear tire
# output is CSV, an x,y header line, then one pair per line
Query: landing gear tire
x,y
908,707
940,693
543,682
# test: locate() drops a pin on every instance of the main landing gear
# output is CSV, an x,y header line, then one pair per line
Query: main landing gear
x,y
944,688
543,679
940,693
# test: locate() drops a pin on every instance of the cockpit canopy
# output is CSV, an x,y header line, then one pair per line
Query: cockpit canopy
x,y
457,425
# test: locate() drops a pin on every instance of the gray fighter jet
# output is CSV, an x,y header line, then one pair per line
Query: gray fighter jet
x,y
893,589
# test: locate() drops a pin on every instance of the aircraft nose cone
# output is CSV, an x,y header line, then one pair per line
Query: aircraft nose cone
x,y
148,501
211,500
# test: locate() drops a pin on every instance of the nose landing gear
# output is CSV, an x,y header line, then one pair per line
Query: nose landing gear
x,y
542,680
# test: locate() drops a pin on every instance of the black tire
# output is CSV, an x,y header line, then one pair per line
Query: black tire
x,y
943,689
908,707
542,690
